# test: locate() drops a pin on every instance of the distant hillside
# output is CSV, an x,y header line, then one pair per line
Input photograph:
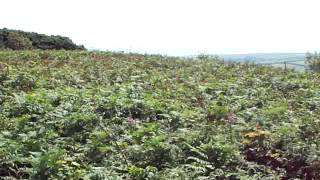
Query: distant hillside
x,y
264,57
20,40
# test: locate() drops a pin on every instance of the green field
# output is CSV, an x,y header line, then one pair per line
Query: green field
x,y
104,115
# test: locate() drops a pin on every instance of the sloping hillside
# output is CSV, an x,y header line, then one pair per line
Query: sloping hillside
x,y
103,115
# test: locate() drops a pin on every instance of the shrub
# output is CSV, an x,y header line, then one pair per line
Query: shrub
x,y
313,61
17,41
23,81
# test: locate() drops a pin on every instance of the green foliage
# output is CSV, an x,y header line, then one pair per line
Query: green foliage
x,y
140,173
313,61
149,130
216,155
19,40
48,164
108,115
23,82
276,111
217,112
77,122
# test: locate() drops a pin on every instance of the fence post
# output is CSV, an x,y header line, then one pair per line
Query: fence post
x,y
285,66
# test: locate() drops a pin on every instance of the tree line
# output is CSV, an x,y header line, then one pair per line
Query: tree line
x,y
20,40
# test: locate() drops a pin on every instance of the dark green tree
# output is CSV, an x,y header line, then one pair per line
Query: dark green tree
x,y
18,41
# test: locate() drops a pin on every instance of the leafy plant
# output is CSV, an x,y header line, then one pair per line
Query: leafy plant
x,y
217,112
111,115
313,61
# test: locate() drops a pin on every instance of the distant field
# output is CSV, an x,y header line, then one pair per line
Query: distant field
x,y
265,57
295,60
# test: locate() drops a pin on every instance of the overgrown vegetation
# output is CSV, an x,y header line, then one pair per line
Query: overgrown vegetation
x,y
20,40
104,115
313,61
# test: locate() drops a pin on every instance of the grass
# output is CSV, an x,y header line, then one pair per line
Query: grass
x,y
105,115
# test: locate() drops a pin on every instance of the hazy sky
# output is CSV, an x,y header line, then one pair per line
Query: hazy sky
x,y
173,27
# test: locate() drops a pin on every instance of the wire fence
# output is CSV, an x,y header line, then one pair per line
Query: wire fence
x,y
285,64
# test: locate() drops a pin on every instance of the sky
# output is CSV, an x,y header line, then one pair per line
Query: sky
x,y
173,27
